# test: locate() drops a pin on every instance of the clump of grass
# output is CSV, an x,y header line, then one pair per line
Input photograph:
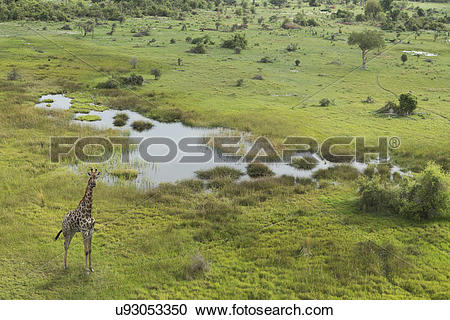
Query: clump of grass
x,y
304,181
120,119
384,170
369,171
304,163
219,172
86,108
88,117
259,170
125,173
47,101
141,125
219,183
196,266
340,172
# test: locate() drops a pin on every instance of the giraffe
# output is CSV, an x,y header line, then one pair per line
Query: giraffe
x,y
81,220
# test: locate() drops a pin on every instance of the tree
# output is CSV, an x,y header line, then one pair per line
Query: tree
x,y
134,61
407,104
404,58
156,72
386,5
366,41
372,9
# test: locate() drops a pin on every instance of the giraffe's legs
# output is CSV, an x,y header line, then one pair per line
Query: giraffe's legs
x,y
90,253
67,238
86,253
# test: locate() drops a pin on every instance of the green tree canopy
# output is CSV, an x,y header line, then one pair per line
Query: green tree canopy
x,y
366,41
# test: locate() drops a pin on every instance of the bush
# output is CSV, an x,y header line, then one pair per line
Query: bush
x,y
120,119
291,47
239,83
13,75
325,102
156,72
427,196
422,198
376,196
238,40
172,41
258,170
199,49
132,80
304,163
108,84
141,125
219,172
196,266
265,60
297,62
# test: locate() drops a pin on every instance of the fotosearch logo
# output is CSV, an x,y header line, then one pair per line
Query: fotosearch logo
x,y
339,149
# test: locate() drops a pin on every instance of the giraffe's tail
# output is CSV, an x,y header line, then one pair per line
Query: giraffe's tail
x,y
57,236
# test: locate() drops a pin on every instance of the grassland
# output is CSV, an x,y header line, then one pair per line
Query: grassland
x,y
269,239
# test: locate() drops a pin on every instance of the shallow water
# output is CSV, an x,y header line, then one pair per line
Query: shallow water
x,y
152,174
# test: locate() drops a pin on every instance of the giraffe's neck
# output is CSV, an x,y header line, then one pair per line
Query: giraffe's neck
x,y
86,201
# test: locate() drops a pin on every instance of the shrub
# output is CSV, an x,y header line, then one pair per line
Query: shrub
x,y
219,172
304,163
156,72
258,170
141,125
13,75
199,49
132,80
120,119
196,266
239,83
238,40
325,102
108,84
376,196
172,41
422,198
297,62
427,196
265,60
291,47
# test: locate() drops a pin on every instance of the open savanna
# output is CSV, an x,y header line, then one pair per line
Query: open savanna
x,y
268,239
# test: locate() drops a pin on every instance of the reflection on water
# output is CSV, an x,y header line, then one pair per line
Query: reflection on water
x,y
152,174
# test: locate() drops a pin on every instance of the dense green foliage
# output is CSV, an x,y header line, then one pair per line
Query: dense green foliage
x,y
423,197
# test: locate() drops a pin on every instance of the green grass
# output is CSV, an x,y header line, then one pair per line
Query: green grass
x,y
120,119
125,173
304,163
219,172
262,239
88,117
86,108
339,172
141,125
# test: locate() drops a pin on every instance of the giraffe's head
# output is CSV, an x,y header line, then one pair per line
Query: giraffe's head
x,y
93,175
